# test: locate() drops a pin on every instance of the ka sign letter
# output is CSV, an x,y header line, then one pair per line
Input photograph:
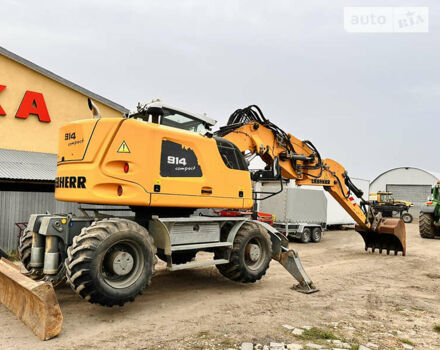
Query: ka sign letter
x,y
33,103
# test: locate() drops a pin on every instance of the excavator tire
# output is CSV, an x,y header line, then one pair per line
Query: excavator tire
x,y
111,261
426,225
250,256
24,248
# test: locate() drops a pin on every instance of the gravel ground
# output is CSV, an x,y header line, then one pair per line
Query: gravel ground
x,y
388,301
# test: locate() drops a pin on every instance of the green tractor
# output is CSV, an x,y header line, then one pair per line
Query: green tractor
x,y
429,220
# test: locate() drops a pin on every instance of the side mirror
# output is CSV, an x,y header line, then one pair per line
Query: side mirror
x,y
276,168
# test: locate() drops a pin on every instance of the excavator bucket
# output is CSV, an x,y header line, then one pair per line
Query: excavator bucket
x,y
388,235
33,302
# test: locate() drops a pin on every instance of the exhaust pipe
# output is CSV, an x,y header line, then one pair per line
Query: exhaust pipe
x,y
94,108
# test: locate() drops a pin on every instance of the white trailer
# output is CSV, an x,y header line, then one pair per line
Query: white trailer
x,y
305,206
299,213
336,215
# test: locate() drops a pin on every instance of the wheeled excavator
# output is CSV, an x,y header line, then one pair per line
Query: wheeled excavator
x,y
165,164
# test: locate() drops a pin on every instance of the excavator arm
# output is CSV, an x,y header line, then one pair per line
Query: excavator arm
x,y
300,161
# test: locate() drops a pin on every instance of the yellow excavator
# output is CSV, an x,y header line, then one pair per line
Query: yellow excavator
x,y
166,165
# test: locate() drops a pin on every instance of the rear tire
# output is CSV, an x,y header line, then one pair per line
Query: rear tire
x,y
24,249
316,235
250,256
111,261
407,218
24,252
306,235
426,225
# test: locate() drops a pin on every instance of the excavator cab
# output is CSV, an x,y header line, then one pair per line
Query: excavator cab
x,y
163,114
384,197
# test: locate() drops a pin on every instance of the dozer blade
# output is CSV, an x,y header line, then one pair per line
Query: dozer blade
x,y
33,302
389,235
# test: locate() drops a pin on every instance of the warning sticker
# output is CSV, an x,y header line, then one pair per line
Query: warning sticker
x,y
123,148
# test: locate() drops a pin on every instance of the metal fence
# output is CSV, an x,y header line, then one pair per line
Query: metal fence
x,y
16,207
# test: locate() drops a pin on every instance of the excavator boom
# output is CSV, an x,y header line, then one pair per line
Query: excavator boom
x,y
300,161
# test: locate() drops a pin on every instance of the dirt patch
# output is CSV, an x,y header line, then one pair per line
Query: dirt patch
x,y
363,298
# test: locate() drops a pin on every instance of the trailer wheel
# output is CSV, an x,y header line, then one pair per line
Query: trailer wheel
x,y
306,235
426,225
316,234
24,248
111,261
250,256
407,218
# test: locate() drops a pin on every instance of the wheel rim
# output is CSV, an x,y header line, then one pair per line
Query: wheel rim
x,y
122,264
316,235
307,235
254,254
406,218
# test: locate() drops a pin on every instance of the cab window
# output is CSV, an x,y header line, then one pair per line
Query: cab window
x,y
182,121
230,154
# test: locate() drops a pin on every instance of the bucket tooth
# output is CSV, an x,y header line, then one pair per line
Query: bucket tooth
x,y
389,234
33,302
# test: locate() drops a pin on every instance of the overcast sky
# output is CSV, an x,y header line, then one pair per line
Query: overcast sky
x,y
369,101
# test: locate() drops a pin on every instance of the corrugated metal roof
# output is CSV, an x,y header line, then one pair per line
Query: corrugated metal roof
x,y
21,165
61,80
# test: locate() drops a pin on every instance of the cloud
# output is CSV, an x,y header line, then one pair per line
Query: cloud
x,y
368,101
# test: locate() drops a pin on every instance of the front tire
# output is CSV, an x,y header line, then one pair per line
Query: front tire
x,y
426,225
111,261
24,252
250,256
24,249
407,218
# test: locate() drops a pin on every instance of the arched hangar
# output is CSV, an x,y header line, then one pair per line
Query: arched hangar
x,y
406,183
